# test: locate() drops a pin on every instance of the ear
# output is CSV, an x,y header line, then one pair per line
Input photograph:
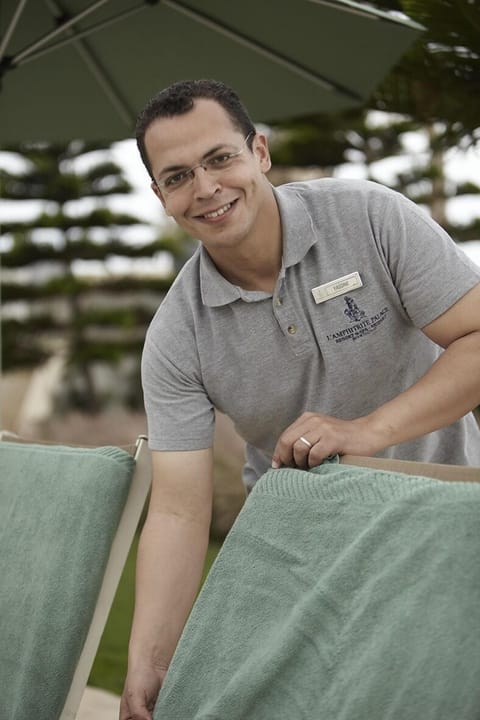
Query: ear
x,y
261,151
159,195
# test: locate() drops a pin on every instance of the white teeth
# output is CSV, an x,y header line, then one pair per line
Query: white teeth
x,y
220,211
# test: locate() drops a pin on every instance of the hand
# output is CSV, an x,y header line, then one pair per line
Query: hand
x,y
323,435
140,694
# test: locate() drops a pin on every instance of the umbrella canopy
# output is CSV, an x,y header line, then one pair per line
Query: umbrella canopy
x,y
73,68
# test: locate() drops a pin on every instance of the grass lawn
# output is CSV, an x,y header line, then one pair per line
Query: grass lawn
x,y
110,666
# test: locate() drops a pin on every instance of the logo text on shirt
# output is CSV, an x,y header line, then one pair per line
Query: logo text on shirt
x,y
362,324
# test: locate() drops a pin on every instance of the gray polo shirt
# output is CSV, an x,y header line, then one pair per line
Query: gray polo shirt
x,y
263,358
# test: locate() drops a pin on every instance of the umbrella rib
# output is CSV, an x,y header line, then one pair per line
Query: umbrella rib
x,y
77,35
61,28
242,39
11,28
106,83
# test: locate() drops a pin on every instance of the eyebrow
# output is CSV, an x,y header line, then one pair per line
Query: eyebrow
x,y
175,168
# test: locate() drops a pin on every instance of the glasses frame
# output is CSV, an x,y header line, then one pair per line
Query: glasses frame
x,y
190,172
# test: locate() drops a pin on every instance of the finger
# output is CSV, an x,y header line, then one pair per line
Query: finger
x,y
322,450
283,453
290,451
301,450
279,454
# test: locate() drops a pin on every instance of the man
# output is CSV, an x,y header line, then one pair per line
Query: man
x,y
314,315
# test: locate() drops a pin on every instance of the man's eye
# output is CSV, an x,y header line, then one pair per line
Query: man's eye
x,y
220,159
176,179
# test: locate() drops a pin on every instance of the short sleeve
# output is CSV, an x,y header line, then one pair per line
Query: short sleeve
x,y
429,271
180,415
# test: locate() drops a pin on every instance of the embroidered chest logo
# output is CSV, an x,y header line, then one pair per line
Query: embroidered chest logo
x,y
352,310
361,324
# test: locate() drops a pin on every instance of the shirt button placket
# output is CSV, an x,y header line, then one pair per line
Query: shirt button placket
x,y
281,312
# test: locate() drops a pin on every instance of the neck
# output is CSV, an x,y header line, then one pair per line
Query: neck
x,y
253,274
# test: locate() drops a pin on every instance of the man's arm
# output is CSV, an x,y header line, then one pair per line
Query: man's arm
x,y
447,391
170,561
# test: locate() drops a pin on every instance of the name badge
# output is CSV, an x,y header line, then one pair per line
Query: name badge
x,y
337,287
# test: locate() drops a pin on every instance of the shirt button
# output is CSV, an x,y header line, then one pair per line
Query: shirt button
x,y
279,301
292,329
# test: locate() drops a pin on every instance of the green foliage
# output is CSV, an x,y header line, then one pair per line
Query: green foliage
x,y
20,346
110,352
98,218
326,141
70,286
465,233
467,188
125,318
438,79
25,251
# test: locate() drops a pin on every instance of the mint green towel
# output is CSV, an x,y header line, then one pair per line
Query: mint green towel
x,y
59,510
340,594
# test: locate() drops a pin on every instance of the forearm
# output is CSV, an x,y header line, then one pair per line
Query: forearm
x,y
170,561
447,391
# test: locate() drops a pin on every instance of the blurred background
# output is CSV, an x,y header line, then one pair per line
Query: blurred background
x,y
87,253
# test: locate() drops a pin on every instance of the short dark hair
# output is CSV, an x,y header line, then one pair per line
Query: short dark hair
x,y
180,97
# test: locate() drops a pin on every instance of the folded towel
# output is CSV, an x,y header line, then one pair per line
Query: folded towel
x,y
340,593
59,510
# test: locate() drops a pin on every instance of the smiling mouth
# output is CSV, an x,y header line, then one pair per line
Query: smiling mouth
x,y
219,212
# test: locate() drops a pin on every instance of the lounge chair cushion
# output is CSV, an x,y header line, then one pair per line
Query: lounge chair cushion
x,y
342,593
59,510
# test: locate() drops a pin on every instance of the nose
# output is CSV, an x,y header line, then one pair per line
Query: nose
x,y
205,183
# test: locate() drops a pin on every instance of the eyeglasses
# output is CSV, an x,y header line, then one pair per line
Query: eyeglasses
x,y
215,165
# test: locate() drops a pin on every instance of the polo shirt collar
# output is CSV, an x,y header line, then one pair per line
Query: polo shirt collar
x,y
298,235
215,289
298,230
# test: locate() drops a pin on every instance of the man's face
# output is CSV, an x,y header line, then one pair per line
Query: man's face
x,y
220,208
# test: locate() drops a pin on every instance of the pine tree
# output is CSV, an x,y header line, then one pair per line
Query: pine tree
x,y
47,304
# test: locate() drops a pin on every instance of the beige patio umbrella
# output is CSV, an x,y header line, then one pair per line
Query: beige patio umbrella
x,y
77,68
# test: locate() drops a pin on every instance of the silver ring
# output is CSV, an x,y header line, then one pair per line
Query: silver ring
x,y
305,441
